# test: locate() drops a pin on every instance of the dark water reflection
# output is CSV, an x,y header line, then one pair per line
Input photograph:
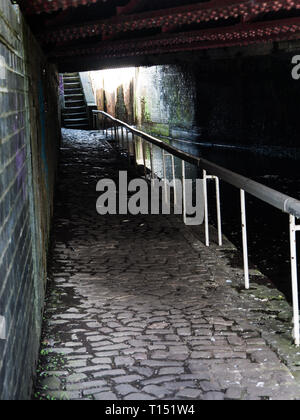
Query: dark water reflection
x,y
250,162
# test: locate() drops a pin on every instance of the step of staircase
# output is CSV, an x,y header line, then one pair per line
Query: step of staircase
x,y
74,96
76,120
72,103
74,115
72,85
77,126
74,110
71,80
72,91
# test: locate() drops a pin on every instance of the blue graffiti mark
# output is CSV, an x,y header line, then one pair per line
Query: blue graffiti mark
x,y
21,171
43,128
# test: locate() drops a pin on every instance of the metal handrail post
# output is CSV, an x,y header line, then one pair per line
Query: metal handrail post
x,y
174,179
115,131
294,270
165,175
134,150
205,208
123,141
184,192
128,147
245,240
219,216
218,205
144,157
152,163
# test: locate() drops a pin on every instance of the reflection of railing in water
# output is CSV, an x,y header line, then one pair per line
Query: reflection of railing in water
x,y
136,148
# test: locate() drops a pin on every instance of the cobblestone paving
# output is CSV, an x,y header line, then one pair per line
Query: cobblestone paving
x,y
138,308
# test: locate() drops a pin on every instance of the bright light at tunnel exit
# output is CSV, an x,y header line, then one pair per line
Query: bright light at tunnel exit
x,y
111,79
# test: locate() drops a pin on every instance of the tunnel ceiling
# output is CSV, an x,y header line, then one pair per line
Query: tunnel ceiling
x,y
85,34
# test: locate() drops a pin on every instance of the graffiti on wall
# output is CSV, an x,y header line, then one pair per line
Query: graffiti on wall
x,y
21,171
43,131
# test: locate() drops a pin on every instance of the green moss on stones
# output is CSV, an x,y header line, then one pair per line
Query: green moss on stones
x,y
145,113
121,110
160,129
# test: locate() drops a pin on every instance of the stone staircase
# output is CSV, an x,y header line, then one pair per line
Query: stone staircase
x,y
74,114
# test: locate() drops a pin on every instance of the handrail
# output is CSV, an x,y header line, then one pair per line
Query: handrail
x,y
275,198
168,148
270,196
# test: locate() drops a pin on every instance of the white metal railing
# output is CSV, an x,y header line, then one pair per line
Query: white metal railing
x,y
270,196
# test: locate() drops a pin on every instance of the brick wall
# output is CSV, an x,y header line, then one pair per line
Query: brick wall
x,y
159,99
165,100
28,150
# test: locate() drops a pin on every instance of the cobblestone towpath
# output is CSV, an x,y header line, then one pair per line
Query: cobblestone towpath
x,y
138,308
